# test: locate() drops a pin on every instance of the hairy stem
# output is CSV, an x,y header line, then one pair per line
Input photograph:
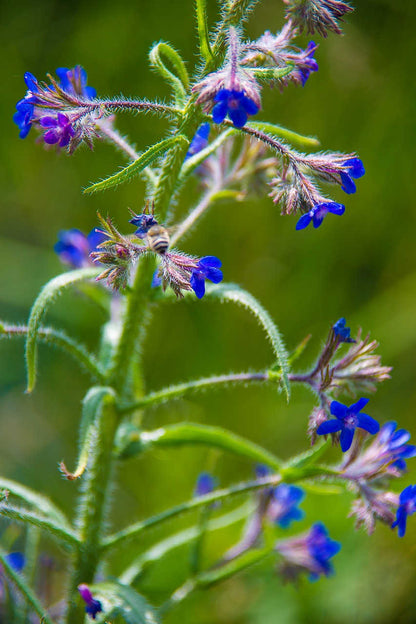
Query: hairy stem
x,y
195,214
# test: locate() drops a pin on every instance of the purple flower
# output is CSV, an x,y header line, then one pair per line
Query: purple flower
x,y
342,332
93,606
317,214
207,268
205,484
74,248
310,552
307,64
407,507
283,506
347,420
59,129
235,104
199,141
355,170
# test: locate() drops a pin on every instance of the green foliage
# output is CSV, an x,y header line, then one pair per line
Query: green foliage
x,y
232,292
294,138
38,502
123,603
179,81
203,32
47,296
136,167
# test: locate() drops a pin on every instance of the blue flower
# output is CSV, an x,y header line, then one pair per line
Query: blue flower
x,y
74,82
347,420
235,104
199,141
318,212
59,129
283,508
407,507
207,268
156,279
143,222
308,64
262,471
16,560
25,107
205,484
321,548
392,445
309,552
342,332
74,248
355,170
93,606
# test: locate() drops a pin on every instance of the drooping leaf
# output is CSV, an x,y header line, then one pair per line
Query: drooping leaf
x,y
128,173
47,296
178,81
123,601
90,413
232,292
35,500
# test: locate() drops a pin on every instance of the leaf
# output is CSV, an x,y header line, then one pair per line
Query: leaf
x,y
179,81
47,295
128,173
265,74
232,292
91,410
191,163
189,433
204,44
310,457
293,138
50,525
122,600
38,501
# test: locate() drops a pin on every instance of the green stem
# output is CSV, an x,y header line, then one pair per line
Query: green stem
x,y
195,503
180,390
92,508
26,592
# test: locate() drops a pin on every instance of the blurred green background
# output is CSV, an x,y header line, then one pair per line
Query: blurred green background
x,y
362,266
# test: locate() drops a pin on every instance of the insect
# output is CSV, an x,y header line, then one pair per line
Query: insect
x,y
156,236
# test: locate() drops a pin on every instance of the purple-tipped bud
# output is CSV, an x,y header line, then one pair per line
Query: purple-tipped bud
x,y
317,15
342,333
93,606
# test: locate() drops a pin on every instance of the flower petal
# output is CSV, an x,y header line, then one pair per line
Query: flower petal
x,y
358,406
330,426
348,184
369,424
346,438
304,221
219,112
198,285
339,410
238,116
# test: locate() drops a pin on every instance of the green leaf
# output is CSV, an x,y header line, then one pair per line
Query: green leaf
x,y
280,132
189,433
191,163
50,525
128,173
204,44
232,292
179,81
243,562
91,410
310,457
47,296
122,601
38,501
265,74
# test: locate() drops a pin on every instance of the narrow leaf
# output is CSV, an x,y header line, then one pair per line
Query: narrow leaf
x,y
128,173
265,74
62,533
179,81
38,501
309,457
203,33
88,429
123,601
189,433
47,295
191,163
232,292
294,138
243,562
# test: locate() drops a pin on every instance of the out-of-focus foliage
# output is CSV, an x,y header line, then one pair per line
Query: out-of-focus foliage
x,y
362,266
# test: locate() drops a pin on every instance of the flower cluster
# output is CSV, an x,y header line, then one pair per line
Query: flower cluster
x,y
74,248
59,110
317,15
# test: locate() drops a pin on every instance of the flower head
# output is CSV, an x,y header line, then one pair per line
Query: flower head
x,y
199,141
93,606
205,484
235,104
59,129
407,507
347,419
342,332
318,212
25,107
283,506
309,552
207,268
74,248
355,169
317,15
